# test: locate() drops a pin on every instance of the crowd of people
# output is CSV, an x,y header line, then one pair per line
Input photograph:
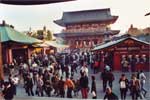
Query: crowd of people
x,y
65,75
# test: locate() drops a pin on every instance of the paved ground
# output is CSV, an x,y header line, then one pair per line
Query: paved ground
x,y
21,95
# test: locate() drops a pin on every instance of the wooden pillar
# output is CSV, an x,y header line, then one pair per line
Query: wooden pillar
x,y
9,56
28,53
1,67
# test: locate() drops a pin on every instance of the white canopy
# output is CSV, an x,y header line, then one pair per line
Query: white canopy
x,y
51,43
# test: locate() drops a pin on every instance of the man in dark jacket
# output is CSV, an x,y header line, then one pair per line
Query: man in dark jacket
x,y
110,95
93,88
29,85
104,77
8,92
111,78
61,85
84,85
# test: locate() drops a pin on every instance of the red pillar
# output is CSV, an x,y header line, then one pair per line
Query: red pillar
x,y
1,68
117,62
9,55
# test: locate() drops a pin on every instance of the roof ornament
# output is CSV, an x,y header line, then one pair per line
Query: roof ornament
x,y
147,14
3,23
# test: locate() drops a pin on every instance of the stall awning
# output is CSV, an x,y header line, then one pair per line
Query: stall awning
x,y
9,34
51,44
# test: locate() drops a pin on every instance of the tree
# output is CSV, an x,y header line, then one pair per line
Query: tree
x,y
34,35
49,35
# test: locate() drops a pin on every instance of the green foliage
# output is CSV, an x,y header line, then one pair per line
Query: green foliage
x,y
49,35
42,35
34,35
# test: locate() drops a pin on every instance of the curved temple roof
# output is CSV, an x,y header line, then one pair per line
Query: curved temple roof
x,y
9,34
31,2
112,43
147,14
94,15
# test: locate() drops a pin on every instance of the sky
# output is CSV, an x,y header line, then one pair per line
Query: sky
x,y
37,16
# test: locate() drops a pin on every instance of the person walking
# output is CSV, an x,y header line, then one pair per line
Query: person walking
x,y
111,78
48,87
95,67
104,78
143,89
93,88
125,64
84,69
40,84
135,87
142,78
123,86
61,85
84,85
110,95
70,86
7,91
29,85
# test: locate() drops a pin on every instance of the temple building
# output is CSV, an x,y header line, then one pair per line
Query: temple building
x,y
129,49
14,45
87,28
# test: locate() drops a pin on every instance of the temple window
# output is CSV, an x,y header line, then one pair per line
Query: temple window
x,y
95,41
87,43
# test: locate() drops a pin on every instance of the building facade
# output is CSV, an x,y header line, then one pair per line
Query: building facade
x,y
85,29
14,44
128,49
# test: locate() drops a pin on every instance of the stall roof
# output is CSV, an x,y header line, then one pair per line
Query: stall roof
x,y
111,43
52,44
55,44
9,34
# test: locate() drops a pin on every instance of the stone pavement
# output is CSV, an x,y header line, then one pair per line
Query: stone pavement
x,y
21,95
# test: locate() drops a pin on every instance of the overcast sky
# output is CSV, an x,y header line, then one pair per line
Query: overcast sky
x,y
24,17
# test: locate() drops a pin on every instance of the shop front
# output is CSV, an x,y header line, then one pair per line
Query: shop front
x,y
127,54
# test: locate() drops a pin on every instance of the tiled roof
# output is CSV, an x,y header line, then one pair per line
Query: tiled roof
x,y
115,42
9,34
96,15
113,32
147,14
